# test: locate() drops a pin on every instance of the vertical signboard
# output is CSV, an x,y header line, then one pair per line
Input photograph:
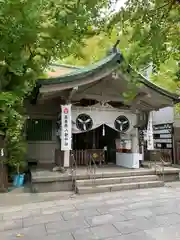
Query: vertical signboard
x,y
163,138
150,140
66,127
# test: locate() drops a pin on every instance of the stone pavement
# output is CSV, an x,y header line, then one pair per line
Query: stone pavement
x,y
146,214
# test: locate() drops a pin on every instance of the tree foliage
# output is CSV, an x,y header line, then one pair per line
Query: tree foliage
x,y
149,33
32,33
153,27
166,76
96,47
148,30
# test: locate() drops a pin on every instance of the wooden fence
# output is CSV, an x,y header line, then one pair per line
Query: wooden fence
x,y
156,155
82,157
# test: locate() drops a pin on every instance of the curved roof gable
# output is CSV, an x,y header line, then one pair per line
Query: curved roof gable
x,y
59,70
110,62
97,71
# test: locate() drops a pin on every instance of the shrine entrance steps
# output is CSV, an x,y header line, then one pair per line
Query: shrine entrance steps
x,y
124,181
105,179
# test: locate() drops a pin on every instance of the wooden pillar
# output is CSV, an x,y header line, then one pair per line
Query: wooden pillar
x,y
66,159
135,142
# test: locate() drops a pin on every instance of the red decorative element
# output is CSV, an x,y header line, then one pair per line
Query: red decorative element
x,y
65,110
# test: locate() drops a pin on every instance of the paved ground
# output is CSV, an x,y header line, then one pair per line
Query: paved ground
x,y
147,214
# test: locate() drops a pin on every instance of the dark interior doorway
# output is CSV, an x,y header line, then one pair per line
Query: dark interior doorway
x,y
110,143
102,137
88,140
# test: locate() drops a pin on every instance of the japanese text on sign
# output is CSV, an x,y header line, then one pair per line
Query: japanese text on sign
x,y
66,132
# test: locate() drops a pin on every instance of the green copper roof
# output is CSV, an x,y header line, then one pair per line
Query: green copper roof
x,y
110,62
65,65
155,87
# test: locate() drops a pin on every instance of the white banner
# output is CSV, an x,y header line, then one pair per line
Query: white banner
x,y
66,127
150,140
100,115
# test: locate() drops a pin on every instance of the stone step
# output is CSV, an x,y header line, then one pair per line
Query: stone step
x,y
118,187
148,164
39,176
125,173
116,180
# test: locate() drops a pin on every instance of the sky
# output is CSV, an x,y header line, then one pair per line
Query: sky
x,y
119,4
115,7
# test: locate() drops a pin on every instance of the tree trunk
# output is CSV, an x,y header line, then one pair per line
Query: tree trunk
x,y
3,167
